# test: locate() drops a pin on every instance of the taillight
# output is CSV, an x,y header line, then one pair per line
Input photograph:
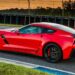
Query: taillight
x,y
74,42
73,35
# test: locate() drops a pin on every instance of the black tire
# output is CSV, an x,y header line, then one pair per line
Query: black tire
x,y
52,53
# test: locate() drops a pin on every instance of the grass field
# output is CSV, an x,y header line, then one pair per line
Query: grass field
x,y
10,69
11,25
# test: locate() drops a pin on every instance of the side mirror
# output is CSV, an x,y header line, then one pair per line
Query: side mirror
x,y
17,32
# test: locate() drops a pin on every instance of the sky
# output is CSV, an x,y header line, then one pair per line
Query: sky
x,y
7,4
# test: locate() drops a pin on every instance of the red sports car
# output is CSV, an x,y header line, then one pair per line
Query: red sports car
x,y
52,41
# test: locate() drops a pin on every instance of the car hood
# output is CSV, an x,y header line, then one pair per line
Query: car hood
x,y
9,29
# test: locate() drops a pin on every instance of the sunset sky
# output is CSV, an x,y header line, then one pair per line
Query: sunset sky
x,y
7,4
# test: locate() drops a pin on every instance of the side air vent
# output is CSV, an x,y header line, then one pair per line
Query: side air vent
x,y
3,37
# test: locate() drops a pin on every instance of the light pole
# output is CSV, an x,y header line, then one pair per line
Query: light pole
x,y
53,7
28,7
62,8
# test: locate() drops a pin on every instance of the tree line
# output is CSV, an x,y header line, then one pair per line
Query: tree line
x,y
67,10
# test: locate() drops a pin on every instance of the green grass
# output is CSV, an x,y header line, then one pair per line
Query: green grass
x,y
11,25
10,69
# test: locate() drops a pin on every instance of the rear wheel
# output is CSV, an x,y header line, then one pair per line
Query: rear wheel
x,y
52,53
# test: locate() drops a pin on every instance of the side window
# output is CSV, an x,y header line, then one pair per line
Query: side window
x,y
30,30
46,30
23,30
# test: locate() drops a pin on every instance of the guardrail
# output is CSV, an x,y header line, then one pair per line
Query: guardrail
x,y
26,19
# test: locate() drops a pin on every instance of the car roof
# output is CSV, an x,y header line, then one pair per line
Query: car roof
x,y
55,26
46,23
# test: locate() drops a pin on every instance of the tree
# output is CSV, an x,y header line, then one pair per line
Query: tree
x,y
69,5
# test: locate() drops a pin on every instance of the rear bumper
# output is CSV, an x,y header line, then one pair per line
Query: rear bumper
x,y
73,52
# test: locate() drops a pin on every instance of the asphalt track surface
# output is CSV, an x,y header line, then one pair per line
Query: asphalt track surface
x,y
67,65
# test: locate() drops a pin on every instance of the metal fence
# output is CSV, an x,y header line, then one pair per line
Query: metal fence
x,y
47,11
26,19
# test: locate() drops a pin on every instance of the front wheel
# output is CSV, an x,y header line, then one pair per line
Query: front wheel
x,y
52,53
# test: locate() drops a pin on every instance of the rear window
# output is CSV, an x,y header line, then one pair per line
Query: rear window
x,y
64,28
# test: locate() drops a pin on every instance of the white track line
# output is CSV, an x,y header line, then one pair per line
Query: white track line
x,y
17,63
30,65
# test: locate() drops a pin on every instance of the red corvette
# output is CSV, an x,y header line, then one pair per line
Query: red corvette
x,y
52,41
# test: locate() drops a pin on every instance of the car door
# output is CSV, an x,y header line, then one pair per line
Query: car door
x,y
27,40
